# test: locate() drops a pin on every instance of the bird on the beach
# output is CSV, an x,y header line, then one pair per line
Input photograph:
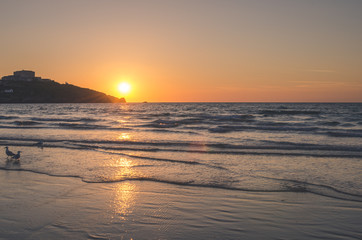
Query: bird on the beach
x,y
9,153
17,156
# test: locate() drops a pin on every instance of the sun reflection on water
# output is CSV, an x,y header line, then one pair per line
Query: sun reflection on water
x,y
123,168
124,136
124,199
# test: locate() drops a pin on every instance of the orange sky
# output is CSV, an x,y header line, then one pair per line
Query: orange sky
x,y
201,50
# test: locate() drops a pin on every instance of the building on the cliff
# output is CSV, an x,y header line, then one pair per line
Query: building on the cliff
x,y
24,75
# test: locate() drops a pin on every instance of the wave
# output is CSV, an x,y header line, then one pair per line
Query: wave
x,y
329,123
165,130
304,185
266,147
8,117
196,122
333,152
289,112
64,119
353,133
166,114
191,119
223,129
81,126
288,186
26,123
162,124
319,189
232,118
349,134
75,126
22,127
284,145
190,162
278,128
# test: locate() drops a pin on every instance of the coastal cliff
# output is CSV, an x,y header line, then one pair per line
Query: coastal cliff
x,y
20,89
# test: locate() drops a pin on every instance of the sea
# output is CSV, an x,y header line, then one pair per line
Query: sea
x,y
246,147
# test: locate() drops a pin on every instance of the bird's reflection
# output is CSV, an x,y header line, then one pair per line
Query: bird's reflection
x,y
12,163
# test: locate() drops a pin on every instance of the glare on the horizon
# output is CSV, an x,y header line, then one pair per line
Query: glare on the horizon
x,y
124,88
198,51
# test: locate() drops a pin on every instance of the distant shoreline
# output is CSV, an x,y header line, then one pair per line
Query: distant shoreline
x,y
25,87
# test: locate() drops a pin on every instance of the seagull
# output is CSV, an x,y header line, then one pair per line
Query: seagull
x,y
16,156
9,153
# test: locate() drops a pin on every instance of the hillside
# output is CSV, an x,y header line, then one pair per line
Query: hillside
x,y
40,91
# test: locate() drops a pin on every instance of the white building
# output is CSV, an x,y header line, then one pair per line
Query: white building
x,y
23,75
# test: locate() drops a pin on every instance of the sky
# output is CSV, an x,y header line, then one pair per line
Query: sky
x,y
190,50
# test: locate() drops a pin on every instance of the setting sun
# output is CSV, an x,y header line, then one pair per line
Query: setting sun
x,y
124,88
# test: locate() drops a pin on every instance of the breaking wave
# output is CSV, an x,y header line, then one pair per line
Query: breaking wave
x,y
282,185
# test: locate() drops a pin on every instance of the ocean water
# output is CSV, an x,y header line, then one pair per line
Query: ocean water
x,y
253,147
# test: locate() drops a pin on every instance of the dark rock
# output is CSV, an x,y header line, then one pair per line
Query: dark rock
x,y
40,91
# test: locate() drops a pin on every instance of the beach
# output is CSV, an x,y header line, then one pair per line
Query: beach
x,y
181,171
37,206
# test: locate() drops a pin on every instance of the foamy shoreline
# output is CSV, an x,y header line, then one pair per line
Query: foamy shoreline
x,y
37,206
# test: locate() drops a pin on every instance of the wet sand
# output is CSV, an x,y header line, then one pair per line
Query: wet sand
x,y
38,206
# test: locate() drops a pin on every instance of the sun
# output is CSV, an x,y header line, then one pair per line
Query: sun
x,y
124,87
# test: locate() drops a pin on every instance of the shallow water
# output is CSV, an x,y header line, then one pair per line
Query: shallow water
x,y
181,171
258,147
37,206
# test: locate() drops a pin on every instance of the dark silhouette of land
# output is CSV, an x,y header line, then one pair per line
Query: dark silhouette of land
x,y
24,87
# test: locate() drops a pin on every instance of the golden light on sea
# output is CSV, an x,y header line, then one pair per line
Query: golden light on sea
x,y
124,199
124,136
124,192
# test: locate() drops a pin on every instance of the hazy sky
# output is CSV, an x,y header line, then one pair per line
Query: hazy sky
x,y
190,50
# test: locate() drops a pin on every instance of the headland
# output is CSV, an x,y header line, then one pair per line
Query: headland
x,y
24,87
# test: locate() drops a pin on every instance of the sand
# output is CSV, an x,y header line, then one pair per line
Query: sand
x,y
38,206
